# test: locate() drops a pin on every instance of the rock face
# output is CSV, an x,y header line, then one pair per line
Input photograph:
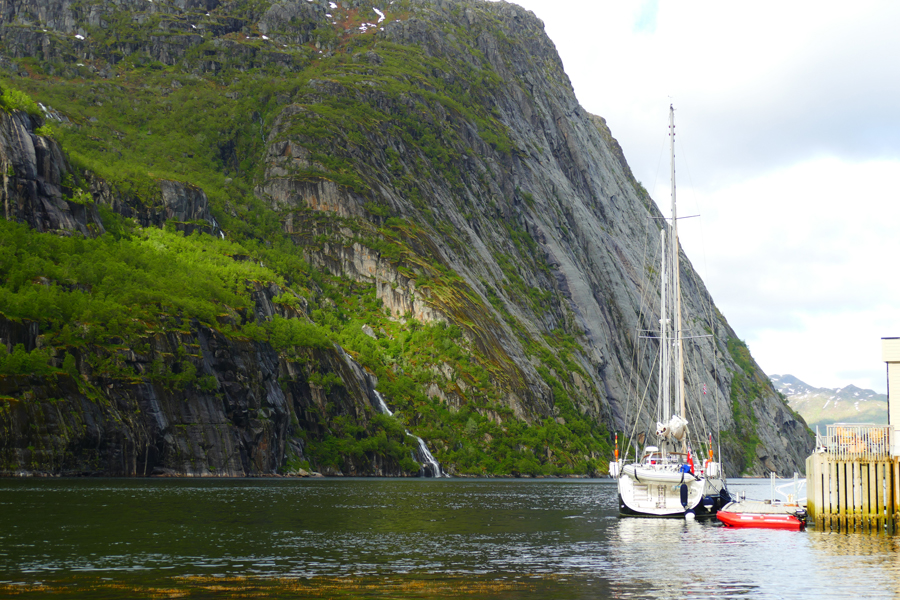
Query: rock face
x,y
34,169
481,160
39,189
244,423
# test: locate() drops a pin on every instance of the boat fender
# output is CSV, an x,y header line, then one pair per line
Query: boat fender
x,y
689,515
684,495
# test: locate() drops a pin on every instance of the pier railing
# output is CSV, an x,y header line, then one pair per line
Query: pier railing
x,y
845,441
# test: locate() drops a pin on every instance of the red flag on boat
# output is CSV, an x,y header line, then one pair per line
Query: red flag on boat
x,y
690,460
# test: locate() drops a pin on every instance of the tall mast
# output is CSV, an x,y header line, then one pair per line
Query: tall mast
x,y
676,277
663,403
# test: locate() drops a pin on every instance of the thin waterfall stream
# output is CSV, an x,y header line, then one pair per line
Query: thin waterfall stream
x,y
430,466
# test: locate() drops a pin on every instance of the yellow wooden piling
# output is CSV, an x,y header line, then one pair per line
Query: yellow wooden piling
x,y
880,489
833,506
895,487
840,494
884,497
873,495
863,487
814,488
861,494
853,482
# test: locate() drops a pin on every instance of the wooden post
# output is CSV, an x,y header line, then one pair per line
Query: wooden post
x,y
843,496
895,491
880,489
822,490
825,479
853,503
853,493
889,495
830,491
877,486
850,484
874,491
873,494
863,467
815,493
811,487
827,485
834,506
859,494
832,497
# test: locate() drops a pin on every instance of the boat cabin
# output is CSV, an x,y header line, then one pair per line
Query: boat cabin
x,y
652,456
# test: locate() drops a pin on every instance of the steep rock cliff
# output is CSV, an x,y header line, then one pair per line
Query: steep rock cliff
x,y
439,161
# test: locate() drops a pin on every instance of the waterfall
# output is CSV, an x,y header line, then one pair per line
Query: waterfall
x,y
382,406
430,466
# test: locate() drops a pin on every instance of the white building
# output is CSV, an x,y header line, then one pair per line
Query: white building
x,y
890,353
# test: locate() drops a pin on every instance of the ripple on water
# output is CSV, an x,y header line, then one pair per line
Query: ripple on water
x,y
563,537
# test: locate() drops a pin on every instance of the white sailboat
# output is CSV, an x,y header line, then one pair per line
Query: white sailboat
x,y
664,481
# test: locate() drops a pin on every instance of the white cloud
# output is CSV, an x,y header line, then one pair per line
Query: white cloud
x,y
829,350
814,80
798,262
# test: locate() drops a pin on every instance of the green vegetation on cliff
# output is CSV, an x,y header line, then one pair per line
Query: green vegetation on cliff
x,y
747,385
111,291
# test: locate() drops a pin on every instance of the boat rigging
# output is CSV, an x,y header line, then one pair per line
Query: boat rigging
x,y
665,481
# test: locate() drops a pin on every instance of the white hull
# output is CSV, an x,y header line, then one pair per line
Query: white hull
x,y
657,492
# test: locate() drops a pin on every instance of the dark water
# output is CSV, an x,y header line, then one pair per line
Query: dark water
x,y
369,538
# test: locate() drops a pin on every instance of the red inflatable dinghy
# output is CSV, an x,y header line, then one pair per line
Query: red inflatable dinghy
x,y
732,519
765,515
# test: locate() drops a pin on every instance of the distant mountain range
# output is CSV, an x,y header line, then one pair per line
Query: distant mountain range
x,y
823,406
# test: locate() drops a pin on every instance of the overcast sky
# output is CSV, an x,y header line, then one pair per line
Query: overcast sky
x,y
788,145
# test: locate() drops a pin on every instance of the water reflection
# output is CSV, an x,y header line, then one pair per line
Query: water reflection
x,y
402,538
850,562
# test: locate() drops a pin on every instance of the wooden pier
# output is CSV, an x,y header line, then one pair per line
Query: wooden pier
x,y
852,481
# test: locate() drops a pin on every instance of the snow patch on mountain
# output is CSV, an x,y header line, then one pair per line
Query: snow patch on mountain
x,y
823,406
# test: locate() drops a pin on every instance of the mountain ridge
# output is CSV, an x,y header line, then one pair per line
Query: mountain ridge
x,y
825,406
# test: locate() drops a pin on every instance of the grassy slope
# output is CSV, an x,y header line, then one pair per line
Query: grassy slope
x,y
818,410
